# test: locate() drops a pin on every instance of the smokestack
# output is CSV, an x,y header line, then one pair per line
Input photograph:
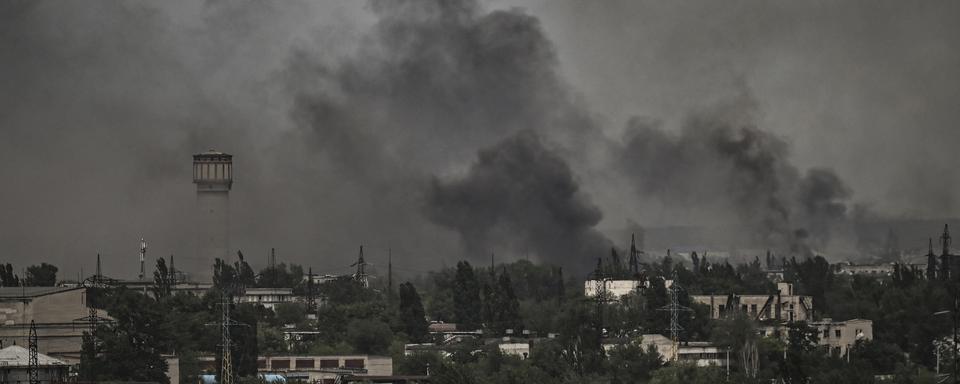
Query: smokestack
x,y
213,175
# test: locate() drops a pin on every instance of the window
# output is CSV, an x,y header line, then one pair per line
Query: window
x,y
753,309
304,363
837,333
329,363
353,363
826,333
261,363
280,364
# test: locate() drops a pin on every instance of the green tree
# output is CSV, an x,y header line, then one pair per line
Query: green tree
x,y
7,277
291,313
43,275
632,364
130,347
505,307
411,313
466,297
369,336
580,338
686,374
162,280
244,339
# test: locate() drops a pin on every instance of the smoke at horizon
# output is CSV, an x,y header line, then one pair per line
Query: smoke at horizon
x,y
379,123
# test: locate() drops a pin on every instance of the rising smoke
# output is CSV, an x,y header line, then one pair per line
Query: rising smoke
x,y
434,82
722,162
367,122
520,195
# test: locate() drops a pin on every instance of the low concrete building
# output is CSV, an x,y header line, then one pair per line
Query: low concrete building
x,y
61,315
615,289
15,366
701,354
873,270
515,348
837,336
267,297
316,369
781,306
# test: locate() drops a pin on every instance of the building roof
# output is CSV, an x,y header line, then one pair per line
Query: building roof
x,y
31,292
212,152
17,356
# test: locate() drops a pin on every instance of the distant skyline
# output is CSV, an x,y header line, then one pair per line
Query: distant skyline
x,y
449,130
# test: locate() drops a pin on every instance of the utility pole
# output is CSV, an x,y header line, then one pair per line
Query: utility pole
x,y
634,257
311,296
226,357
226,344
599,296
143,252
173,273
361,274
674,308
34,366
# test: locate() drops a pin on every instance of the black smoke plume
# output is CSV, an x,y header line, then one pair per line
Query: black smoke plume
x,y
430,85
521,196
722,163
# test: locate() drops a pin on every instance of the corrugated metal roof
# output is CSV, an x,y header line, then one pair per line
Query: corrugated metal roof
x,y
17,356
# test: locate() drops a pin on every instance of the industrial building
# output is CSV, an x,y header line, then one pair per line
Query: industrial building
x,y
317,369
61,315
701,354
838,336
613,289
781,306
15,366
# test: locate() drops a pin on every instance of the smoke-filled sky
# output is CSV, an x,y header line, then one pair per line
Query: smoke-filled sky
x,y
455,129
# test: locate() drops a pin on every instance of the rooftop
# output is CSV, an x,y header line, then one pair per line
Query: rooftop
x,y
212,152
30,292
18,356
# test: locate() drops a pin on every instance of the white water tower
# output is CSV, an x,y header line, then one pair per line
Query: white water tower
x,y
213,175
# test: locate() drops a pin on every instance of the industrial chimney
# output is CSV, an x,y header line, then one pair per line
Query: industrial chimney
x,y
213,175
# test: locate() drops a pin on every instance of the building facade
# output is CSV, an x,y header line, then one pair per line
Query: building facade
x,y
15,367
837,336
316,369
61,315
781,306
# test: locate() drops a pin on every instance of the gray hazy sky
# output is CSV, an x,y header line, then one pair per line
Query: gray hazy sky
x,y
341,113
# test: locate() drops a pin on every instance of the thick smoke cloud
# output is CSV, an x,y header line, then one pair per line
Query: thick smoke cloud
x,y
349,118
521,195
433,81
431,84
722,163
